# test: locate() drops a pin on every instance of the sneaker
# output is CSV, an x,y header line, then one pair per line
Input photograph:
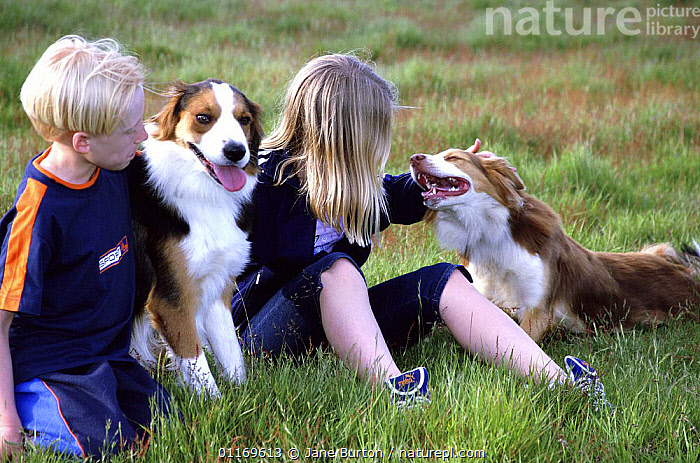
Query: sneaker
x,y
410,388
585,379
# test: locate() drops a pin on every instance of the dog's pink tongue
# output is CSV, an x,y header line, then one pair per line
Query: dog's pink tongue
x,y
231,177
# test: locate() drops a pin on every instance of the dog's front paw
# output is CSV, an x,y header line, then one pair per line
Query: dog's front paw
x,y
198,377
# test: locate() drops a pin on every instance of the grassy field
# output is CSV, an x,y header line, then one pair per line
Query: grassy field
x,y
604,127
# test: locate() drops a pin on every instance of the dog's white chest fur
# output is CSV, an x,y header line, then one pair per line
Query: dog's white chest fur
x,y
215,244
503,271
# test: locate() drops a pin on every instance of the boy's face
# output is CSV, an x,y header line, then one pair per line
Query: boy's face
x,y
115,151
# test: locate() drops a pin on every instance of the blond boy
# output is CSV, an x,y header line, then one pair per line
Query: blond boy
x,y
66,266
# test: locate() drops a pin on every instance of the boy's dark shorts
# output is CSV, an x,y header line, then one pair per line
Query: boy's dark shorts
x,y
90,411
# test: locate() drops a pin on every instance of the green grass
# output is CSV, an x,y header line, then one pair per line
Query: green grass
x,y
602,127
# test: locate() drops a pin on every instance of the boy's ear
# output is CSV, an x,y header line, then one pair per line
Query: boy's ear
x,y
81,142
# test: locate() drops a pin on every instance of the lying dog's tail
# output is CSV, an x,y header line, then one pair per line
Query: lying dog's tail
x,y
688,255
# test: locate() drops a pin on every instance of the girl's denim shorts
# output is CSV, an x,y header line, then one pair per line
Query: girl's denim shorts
x,y
406,308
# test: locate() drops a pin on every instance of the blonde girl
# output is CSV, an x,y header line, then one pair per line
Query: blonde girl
x,y
322,196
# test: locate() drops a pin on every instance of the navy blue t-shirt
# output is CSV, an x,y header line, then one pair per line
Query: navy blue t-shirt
x,y
67,271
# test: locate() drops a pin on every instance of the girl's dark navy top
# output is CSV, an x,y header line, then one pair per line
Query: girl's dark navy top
x,y
284,231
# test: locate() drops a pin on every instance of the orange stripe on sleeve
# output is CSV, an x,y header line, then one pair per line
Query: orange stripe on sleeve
x,y
19,244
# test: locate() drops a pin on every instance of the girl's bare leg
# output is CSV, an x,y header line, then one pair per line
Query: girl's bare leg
x,y
350,325
486,331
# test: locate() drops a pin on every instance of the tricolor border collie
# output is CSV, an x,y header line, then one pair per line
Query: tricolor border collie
x,y
190,190
521,259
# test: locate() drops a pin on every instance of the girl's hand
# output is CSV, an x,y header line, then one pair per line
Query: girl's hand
x,y
474,149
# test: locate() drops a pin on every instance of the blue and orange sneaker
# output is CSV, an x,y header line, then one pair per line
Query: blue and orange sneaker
x,y
410,388
585,379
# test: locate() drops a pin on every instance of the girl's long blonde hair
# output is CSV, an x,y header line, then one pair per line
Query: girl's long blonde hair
x,y
336,126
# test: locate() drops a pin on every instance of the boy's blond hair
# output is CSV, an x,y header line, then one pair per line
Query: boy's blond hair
x,y
336,126
80,86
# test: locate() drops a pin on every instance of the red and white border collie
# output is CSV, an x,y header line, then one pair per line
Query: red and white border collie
x,y
190,190
522,260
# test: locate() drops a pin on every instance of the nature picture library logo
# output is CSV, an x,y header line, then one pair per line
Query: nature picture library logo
x,y
659,20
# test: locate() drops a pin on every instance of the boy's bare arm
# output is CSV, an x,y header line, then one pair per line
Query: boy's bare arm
x,y
10,425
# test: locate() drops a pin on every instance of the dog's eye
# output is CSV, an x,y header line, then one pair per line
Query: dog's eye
x,y
245,120
203,119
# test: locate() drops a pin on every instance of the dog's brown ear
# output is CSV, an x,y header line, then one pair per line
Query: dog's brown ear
x,y
167,118
505,179
505,169
256,132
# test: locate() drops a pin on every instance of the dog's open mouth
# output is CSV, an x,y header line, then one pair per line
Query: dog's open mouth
x,y
230,177
441,187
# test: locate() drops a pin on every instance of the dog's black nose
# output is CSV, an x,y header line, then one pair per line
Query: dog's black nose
x,y
417,159
234,151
